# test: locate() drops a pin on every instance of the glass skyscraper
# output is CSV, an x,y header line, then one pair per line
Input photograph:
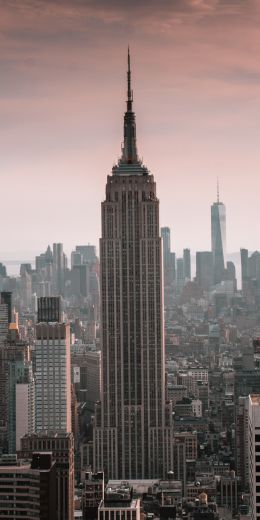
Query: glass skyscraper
x,y
218,239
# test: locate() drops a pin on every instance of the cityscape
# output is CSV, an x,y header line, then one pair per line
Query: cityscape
x,y
130,372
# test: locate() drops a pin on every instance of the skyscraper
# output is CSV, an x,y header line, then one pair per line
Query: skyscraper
x,y
204,269
186,264
253,403
53,378
58,268
132,430
244,268
218,239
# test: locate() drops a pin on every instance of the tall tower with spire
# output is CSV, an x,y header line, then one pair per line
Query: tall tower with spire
x,y
218,237
132,426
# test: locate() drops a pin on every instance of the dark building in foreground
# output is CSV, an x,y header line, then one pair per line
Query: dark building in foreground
x,y
29,490
62,448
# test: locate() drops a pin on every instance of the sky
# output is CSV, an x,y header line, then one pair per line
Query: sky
x,y
196,81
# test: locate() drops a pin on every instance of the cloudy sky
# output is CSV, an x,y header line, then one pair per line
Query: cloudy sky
x,y
196,80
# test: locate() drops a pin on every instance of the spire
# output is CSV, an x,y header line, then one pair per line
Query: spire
x,y
129,90
217,190
129,152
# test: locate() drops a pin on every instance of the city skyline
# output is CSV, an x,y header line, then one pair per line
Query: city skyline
x,y
197,98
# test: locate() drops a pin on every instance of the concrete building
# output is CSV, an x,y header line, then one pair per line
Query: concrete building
x,y
229,487
254,454
186,264
58,268
53,376
21,402
12,351
29,490
204,269
196,405
61,445
133,428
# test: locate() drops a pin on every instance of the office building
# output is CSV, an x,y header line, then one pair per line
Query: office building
x,y
61,445
204,269
29,490
21,402
244,268
5,314
132,430
12,351
53,374
186,264
49,309
6,299
59,262
3,270
254,454
218,239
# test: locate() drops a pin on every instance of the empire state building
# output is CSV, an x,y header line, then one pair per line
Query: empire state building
x,y
133,421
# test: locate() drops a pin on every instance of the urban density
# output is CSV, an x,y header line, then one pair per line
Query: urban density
x,y
130,375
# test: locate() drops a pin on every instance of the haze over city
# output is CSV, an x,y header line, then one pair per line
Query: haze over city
x,y
196,81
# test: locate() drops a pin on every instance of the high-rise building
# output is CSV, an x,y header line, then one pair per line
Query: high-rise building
x,y
253,454
132,430
61,445
29,490
186,264
241,440
244,268
204,269
58,268
218,239
6,299
21,402
3,323
12,351
93,372
49,309
53,377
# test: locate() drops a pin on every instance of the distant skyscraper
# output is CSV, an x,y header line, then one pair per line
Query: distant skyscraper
x,y
49,309
166,243
186,264
180,274
58,268
21,403
244,267
204,269
218,239
53,378
169,259
132,432
6,298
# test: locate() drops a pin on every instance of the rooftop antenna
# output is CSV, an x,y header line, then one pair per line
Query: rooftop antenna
x,y
217,190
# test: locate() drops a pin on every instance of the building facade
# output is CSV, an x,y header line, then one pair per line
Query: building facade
x,y
61,445
53,375
132,430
